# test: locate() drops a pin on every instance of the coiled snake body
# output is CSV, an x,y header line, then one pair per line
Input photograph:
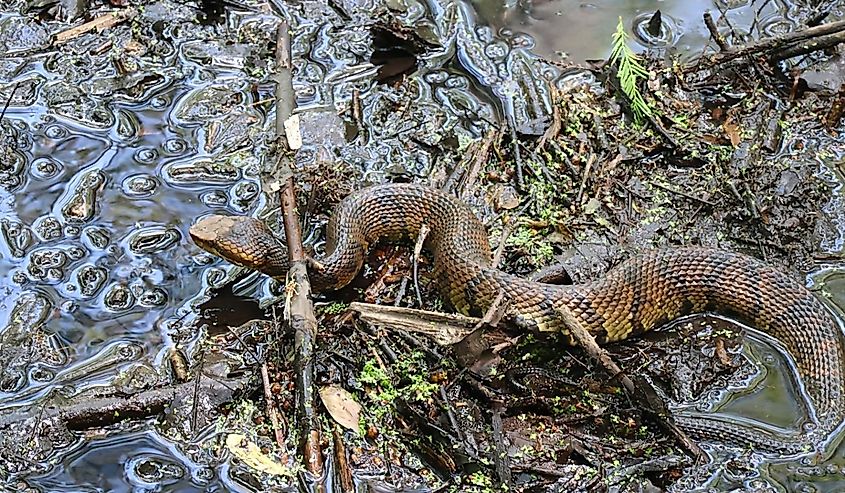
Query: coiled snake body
x,y
640,294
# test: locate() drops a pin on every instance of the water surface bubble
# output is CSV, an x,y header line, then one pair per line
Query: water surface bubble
x,y
140,185
146,156
175,146
118,298
153,239
45,168
55,132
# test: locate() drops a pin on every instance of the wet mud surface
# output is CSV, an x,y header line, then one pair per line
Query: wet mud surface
x,y
114,142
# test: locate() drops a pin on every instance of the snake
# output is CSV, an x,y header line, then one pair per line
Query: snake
x,y
640,294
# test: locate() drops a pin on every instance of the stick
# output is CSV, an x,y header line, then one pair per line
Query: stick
x,y
771,44
270,408
424,229
9,101
682,193
444,328
817,44
479,159
714,32
556,125
302,318
584,177
100,23
344,472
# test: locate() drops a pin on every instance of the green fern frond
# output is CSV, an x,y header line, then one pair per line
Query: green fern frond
x,y
629,71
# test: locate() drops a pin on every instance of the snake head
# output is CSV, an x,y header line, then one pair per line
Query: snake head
x,y
243,241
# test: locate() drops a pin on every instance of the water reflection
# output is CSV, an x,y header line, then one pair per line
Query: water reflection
x,y
581,29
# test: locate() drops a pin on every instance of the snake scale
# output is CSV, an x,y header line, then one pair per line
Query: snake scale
x,y
640,294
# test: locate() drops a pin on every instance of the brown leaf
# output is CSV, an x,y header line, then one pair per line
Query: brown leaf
x,y
733,131
341,406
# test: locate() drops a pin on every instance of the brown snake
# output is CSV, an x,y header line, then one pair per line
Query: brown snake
x,y
640,294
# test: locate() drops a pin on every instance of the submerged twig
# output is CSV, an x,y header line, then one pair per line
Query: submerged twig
x,y
9,100
100,23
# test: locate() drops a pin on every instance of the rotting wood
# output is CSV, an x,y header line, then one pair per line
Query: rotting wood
x,y
344,472
444,328
810,46
302,319
85,411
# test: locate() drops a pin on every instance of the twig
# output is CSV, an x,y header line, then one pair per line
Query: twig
x,y
196,401
507,229
480,157
9,101
424,229
447,406
100,23
517,156
682,193
662,131
771,44
584,177
556,125
495,311
714,32
302,318
244,345
341,463
270,408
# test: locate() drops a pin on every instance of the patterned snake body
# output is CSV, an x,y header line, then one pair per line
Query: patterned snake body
x,y
640,294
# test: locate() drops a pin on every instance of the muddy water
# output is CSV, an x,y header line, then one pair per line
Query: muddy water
x,y
105,167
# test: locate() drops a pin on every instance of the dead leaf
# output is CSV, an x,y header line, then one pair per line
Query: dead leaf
x,y
248,452
341,406
732,129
